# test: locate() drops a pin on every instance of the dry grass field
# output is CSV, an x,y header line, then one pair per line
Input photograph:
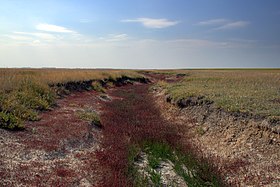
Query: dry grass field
x,y
254,92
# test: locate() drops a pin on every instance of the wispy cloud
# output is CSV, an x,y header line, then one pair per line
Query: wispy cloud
x,y
44,36
116,37
193,43
213,22
233,25
152,23
53,28
19,38
224,24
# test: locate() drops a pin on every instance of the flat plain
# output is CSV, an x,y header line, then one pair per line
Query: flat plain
x,y
216,127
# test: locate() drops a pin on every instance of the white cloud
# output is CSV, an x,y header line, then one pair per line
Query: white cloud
x,y
44,36
194,43
224,24
19,38
233,25
153,23
150,53
53,28
213,22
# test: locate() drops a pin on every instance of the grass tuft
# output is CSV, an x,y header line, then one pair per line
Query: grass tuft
x,y
90,116
194,172
98,87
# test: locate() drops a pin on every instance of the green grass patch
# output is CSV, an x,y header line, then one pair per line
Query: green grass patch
x,y
90,116
193,171
139,180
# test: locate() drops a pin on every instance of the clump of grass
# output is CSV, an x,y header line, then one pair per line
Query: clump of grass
x,y
139,180
194,172
90,116
155,177
98,87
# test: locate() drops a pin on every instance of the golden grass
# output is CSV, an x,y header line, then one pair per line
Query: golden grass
x,y
253,91
12,78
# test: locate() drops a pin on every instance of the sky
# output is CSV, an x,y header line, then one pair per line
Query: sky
x,y
140,33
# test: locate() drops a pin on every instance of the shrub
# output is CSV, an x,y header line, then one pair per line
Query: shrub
x,y
24,102
35,96
9,121
98,87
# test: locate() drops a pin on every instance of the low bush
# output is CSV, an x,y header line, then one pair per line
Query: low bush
x,y
98,87
24,103
10,121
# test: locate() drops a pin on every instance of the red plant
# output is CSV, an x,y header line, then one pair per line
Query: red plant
x,y
128,121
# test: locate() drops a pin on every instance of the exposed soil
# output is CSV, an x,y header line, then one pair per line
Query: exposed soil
x,y
169,177
247,150
58,150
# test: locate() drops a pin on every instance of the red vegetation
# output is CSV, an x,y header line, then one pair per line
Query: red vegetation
x,y
128,121
133,117
58,150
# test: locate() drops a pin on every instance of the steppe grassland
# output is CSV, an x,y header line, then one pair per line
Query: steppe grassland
x,y
255,91
12,78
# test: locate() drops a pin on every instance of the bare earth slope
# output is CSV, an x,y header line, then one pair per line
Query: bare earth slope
x,y
246,150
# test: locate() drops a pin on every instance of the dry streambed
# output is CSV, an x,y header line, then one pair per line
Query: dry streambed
x,y
141,141
140,148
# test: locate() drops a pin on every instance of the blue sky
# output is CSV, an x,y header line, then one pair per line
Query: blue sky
x,y
140,33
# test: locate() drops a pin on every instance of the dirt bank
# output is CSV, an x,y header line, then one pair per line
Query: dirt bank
x,y
245,148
